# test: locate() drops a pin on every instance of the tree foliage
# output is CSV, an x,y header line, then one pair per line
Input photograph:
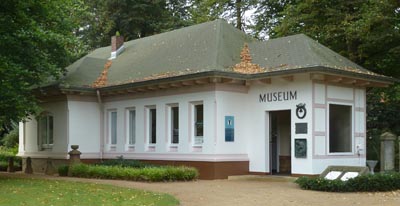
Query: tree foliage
x,y
37,42
231,10
131,18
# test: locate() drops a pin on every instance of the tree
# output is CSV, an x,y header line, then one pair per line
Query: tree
x,y
231,10
268,14
131,18
37,42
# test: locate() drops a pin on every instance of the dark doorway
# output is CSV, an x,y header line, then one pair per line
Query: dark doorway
x,y
280,142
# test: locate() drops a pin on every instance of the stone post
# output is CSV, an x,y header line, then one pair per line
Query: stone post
x,y
387,151
10,167
74,157
28,167
50,170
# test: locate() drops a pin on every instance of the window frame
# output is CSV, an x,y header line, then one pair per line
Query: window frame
x,y
170,123
128,126
110,128
352,152
46,143
149,125
194,123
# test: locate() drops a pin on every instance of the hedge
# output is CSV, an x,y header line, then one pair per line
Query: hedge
x,y
362,183
5,154
126,163
151,174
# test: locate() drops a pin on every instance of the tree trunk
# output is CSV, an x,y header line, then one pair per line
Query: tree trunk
x,y
239,14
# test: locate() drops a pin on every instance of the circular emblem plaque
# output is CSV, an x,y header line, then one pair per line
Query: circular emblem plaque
x,y
301,111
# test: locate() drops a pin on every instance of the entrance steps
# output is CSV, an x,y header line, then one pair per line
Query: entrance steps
x,y
266,178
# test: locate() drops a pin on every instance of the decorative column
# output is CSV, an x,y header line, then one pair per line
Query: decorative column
x,y
74,157
387,151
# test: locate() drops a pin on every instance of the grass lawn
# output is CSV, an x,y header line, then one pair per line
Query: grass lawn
x,y
36,192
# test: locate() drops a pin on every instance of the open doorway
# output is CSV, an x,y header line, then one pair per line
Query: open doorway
x,y
280,142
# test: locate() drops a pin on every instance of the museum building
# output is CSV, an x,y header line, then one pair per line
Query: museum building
x,y
207,96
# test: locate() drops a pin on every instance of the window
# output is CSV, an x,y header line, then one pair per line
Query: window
x,y
198,124
340,128
152,126
132,127
174,125
113,126
45,130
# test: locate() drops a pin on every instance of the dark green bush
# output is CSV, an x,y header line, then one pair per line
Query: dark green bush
x,y
363,183
63,170
125,163
5,154
152,174
10,140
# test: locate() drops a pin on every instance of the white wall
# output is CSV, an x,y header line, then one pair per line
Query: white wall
x,y
251,121
59,110
232,104
84,127
162,146
323,95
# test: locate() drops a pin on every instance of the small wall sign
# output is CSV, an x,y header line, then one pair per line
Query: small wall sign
x,y
301,111
229,128
300,148
301,128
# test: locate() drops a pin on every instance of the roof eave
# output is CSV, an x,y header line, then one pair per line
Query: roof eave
x,y
228,74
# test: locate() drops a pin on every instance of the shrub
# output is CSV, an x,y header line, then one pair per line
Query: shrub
x,y
362,183
5,154
10,140
152,174
63,170
3,166
125,163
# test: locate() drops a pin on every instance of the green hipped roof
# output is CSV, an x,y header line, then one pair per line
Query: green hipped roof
x,y
207,47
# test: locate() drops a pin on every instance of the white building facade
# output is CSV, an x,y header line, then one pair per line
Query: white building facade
x,y
295,120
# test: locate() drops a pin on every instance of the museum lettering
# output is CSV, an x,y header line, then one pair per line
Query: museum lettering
x,y
278,96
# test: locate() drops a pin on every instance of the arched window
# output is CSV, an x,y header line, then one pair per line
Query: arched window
x,y
45,130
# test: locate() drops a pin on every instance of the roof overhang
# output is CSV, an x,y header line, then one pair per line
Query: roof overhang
x,y
318,73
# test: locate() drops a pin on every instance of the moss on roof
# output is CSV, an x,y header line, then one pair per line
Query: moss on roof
x,y
211,46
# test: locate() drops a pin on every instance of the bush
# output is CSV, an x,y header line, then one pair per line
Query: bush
x,y
63,170
125,163
152,174
5,154
11,139
362,183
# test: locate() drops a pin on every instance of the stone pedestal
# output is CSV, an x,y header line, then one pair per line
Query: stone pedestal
x,y
28,168
74,157
371,164
10,167
387,152
50,170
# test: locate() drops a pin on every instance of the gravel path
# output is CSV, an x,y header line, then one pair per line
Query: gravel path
x,y
247,191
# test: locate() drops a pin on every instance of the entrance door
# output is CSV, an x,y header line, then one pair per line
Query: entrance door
x,y
280,142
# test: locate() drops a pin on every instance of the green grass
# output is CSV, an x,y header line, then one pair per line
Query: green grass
x,y
36,192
